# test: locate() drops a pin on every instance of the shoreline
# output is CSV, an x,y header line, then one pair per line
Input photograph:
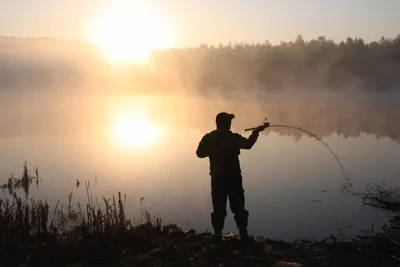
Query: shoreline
x,y
98,234
33,234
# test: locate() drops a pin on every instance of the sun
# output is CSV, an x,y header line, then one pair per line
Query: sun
x,y
129,32
133,130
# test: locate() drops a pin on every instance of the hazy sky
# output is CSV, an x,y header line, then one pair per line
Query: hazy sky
x,y
212,21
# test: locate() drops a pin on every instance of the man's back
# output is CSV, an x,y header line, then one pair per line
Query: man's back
x,y
223,149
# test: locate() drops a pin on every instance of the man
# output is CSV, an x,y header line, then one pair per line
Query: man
x,y
223,149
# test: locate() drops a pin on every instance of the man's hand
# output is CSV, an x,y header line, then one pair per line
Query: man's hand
x,y
262,127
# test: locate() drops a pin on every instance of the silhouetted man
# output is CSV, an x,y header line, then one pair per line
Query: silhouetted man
x,y
223,149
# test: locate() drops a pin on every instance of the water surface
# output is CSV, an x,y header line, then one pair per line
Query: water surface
x,y
293,184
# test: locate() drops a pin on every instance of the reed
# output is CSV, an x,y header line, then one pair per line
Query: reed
x,y
97,233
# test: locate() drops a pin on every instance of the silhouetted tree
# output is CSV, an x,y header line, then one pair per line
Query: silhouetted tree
x,y
293,65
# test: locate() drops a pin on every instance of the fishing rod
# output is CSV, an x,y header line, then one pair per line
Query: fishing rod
x,y
266,124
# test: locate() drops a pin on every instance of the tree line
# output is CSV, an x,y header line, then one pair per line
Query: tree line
x,y
296,65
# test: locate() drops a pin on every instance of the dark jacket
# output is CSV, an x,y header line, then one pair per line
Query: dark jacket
x,y
223,149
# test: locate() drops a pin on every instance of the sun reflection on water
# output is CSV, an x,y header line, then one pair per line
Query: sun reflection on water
x,y
133,130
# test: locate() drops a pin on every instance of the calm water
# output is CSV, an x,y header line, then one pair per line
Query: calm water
x,y
292,182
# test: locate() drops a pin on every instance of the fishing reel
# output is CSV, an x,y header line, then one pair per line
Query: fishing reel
x,y
264,125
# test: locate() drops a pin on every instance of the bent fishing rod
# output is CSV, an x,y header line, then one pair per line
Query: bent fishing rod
x,y
266,124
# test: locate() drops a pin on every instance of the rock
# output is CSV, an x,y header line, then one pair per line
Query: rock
x,y
191,232
287,264
230,236
175,234
172,228
199,263
190,247
161,253
191,239
318,250
177,264
146,260
279,253
268,248
177,241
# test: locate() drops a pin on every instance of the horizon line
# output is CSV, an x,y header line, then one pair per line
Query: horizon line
x,y
215,44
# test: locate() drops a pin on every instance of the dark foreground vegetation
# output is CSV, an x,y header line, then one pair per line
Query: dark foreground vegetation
x,y
98,234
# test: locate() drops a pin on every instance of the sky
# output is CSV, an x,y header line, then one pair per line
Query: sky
x,y
209,21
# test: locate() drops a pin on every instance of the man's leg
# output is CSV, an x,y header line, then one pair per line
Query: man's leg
x,y
237,204
219,198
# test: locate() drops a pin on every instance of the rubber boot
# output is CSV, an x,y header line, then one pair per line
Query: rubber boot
x,y
244,236
216,239
241,222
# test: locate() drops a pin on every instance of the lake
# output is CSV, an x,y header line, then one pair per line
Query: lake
x,y
293,183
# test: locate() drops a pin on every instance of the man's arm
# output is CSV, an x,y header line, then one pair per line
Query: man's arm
x,y
203,148
247,143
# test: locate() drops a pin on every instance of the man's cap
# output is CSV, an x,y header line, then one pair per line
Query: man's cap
x,y
223,116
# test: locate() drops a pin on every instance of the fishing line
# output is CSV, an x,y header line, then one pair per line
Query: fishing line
x,y
348,182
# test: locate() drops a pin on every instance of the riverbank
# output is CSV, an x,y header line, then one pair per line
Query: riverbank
x,y
147,245
32,234
97,234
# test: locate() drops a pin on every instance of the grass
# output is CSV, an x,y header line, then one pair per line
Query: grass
x,y
29,217
14,183
97,233
382,197
30,225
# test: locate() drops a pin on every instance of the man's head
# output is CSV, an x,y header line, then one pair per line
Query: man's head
x,y
224,120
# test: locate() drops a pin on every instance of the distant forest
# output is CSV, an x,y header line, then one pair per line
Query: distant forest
x,y
224,74
296,65
290,66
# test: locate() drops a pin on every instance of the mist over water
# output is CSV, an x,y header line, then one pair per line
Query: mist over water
x,y
58,107
43,112
295,83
